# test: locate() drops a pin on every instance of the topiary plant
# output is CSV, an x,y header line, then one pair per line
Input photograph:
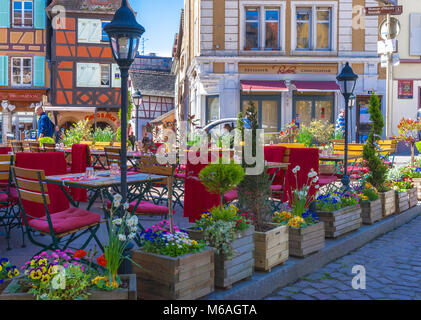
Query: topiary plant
x,y
221,178
376,166
45,140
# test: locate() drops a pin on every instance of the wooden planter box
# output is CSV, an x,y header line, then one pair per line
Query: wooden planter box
x,y
412,197
371,211
326,169
401,200
96,294
417,184
270,247
187,277
305,241
240,267
388,202
340,222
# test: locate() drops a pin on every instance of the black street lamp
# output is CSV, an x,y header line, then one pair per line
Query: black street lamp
x,y
124,33
137,101
347,80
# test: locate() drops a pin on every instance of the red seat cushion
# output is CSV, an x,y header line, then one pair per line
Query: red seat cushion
x,y
180,175
67,220
324,180
148,208
231,196
276,187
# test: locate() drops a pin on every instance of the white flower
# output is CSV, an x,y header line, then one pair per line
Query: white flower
x,y
122,237
315,179
131,236
117,200
317,186
126,206
312,173
296,169
133,221
117,222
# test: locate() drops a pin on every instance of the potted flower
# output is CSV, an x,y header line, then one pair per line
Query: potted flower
x,y
340,212
232,237
174,266
401,189
8,271
413,175
371,206
306,232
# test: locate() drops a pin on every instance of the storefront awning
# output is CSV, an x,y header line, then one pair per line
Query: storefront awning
x,y
263,86
316,86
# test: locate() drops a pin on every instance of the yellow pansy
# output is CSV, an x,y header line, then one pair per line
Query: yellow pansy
x,y
1,268
16,272
45,278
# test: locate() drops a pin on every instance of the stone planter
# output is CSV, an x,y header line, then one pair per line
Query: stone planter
x,y
326,169
305,241
412,197
187,277
401,201
96,294
417,184
340,222
388,203
270,247
371,211
240,267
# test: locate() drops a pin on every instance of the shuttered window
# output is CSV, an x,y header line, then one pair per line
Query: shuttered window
x,y
415,34
89,30
5,14
22,14
4,70
88,75
21,71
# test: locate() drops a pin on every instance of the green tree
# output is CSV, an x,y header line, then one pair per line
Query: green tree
x,y
376,166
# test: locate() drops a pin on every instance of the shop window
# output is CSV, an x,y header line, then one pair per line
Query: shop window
x,y
105,75
313,28
21,71
268,110
23,14
252,29
212,108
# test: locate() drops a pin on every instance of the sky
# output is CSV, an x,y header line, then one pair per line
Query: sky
x,y
161,20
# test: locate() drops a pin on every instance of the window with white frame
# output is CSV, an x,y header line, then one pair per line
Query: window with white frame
x,y
252,29
313,28
21,71
272,29
105,75
23,14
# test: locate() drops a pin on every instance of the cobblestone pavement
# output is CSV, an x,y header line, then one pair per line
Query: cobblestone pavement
x,y
393,271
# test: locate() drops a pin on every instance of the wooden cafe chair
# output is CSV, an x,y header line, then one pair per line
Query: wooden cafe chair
x,y
49,147
63,227
34,146
17,146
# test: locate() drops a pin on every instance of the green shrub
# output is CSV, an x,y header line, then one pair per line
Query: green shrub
x,y
46,140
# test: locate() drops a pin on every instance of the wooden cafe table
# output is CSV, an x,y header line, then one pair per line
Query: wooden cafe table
x,y
136,182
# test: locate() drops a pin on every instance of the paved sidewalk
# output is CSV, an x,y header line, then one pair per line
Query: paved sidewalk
x,y
393,271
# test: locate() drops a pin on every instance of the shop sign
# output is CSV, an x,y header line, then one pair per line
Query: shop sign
x,y
288,68
405,89
21,96
102,115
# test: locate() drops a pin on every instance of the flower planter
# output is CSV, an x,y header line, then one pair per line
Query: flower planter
x,y
417,184
401,201
187,277
270,247
96,294
388,203
4,285
371,211
340,222
240,267
326,169
305,241
412,197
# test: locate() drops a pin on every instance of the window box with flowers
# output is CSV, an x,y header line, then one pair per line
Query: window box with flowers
x,y
306,232
370,203
340,212
173,266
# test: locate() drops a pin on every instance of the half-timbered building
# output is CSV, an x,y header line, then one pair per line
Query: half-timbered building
x,y
24,72
85,77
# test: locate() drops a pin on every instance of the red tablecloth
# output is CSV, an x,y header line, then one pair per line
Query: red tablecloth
x,y
80,160
196,199
5,150
306,158
53,163
275,154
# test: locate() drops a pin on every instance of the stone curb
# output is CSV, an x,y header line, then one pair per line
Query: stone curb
x,y
263,284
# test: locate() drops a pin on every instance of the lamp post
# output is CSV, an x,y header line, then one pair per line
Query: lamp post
x,y
124,33
137,101
347,80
